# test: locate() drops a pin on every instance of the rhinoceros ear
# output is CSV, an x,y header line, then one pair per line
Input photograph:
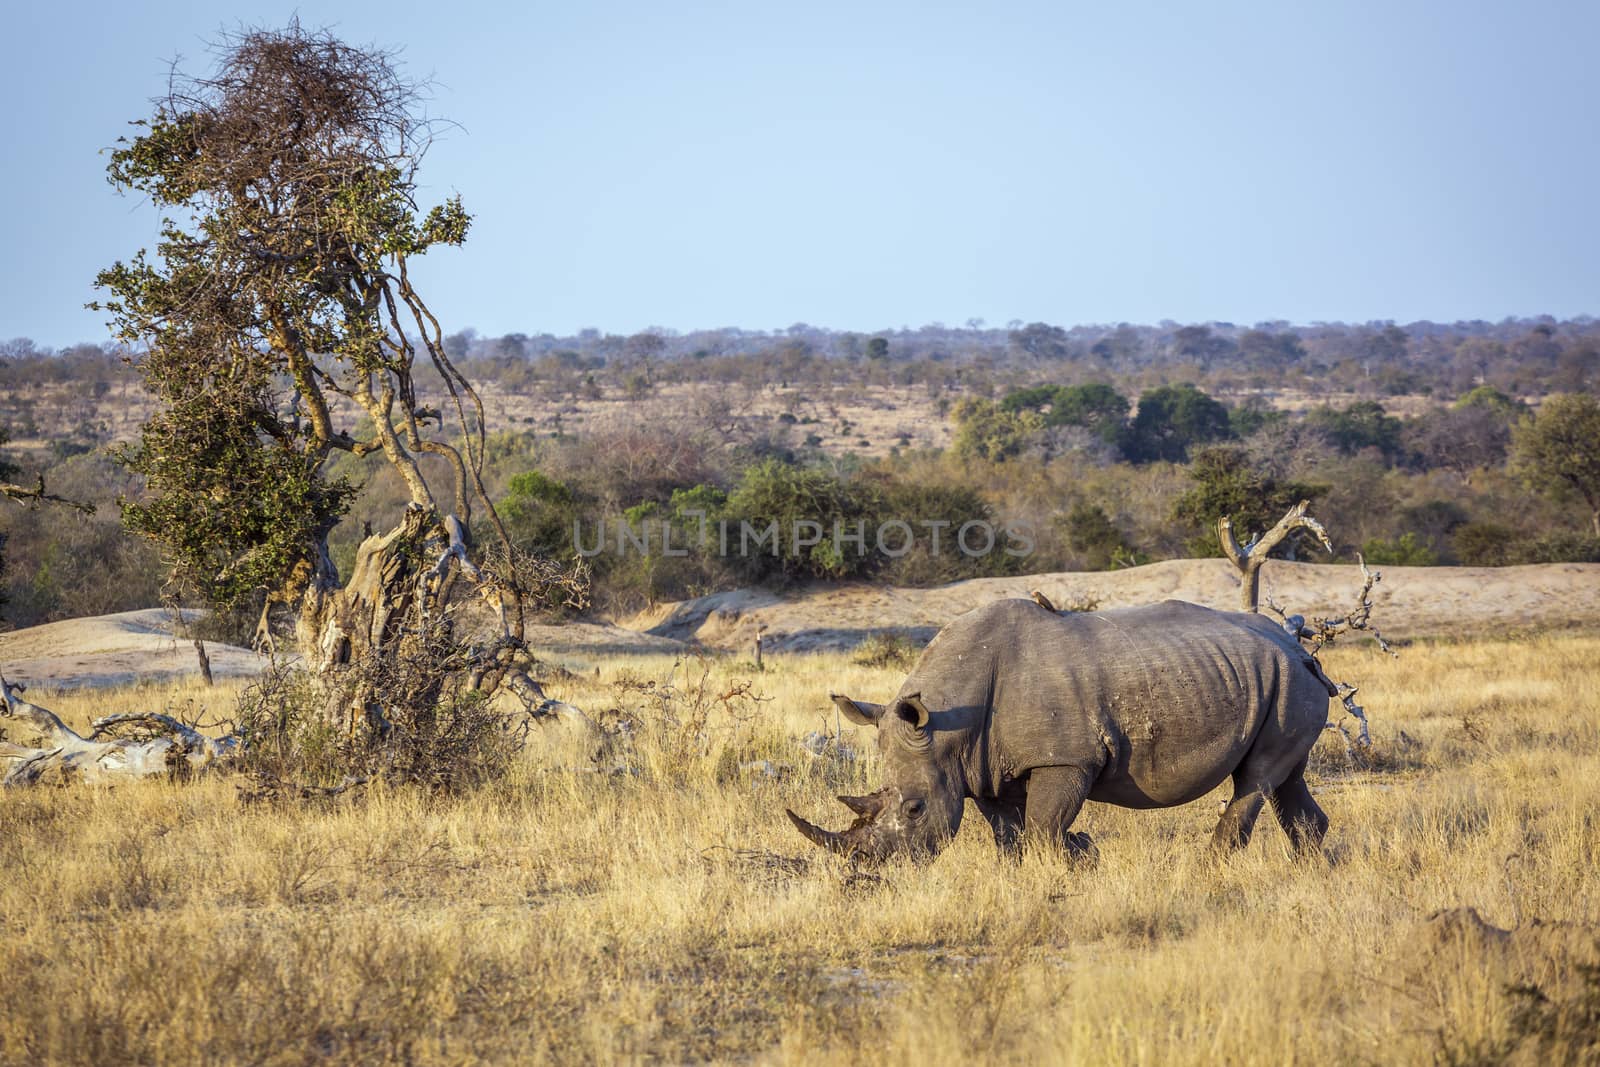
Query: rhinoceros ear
x,y
913,710
859,712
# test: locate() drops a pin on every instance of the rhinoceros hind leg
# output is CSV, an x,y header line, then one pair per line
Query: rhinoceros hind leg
x,y
1298,813
1239,817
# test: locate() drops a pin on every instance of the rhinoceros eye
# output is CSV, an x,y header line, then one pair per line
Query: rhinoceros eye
x,y
914,808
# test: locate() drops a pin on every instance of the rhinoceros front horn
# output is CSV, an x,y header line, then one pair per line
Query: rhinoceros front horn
x,y
828,839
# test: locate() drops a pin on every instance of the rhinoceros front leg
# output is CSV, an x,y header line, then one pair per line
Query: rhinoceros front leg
x,y
1055,796
1004,814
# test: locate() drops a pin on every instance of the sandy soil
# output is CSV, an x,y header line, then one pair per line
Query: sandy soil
x,y
1411,602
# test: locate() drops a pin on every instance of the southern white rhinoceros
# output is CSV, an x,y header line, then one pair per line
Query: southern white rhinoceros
x,y
1031,713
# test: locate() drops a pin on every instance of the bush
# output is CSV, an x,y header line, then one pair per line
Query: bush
x,y
1171,420
1094,537
1561,547
1361,425
886,649
773,500
988,431
539,513
1406,551
1227,484
1484,544
919,503
423,726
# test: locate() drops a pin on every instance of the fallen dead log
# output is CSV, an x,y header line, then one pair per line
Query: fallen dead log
x,y
39,749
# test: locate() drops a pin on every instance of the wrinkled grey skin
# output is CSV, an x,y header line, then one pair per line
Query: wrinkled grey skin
x,y
1031,713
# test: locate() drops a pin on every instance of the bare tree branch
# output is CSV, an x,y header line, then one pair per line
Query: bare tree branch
x,y
37,495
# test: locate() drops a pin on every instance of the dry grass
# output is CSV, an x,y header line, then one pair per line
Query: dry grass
x,y
655,914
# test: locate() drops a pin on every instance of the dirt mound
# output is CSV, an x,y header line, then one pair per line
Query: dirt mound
x,y
139,646
133,646
1411,601
591,638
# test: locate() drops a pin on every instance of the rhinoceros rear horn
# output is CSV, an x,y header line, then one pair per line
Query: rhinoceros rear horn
x,y
868,805
828,839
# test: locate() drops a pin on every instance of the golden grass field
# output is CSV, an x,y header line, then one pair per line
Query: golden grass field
x,y
672,914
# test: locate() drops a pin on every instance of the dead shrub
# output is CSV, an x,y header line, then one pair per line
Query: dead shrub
x,y
419,721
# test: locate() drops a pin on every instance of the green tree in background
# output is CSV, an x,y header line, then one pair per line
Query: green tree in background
x,y
1171,420
1226,484
1557,452
1361,425
1096,407
988,431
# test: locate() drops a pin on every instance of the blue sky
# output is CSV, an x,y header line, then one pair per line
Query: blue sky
x,y
873,165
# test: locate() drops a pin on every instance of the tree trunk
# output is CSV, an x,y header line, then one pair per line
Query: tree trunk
x,y
205,661
338,626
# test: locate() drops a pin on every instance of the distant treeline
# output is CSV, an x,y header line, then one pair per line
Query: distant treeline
x,y
1525,356
1107,447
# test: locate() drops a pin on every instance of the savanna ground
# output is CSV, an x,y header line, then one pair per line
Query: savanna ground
x,y
668,912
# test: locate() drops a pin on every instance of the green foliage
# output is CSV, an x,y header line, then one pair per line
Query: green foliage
x,y
1484,544
776,496
233,510
1247,418
1408,550
1487,396
988,431
1226,484
1095,538
1096,407
1561,546
1558,451
948,507
1171,420
878,349
292,169
8,469
539,513
1360,425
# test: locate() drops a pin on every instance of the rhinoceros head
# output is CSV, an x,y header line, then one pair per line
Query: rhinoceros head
x,y
919,808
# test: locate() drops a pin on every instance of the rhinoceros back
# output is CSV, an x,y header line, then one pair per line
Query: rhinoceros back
x,y
1168,699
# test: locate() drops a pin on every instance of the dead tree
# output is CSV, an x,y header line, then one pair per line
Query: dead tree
x,y
1248,559
1320,632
